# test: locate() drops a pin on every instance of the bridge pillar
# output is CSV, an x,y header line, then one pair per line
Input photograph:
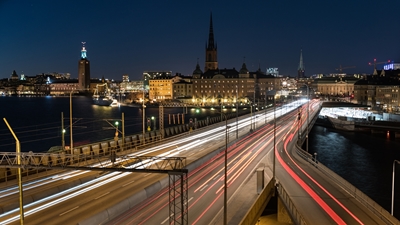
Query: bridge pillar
x,y
283,215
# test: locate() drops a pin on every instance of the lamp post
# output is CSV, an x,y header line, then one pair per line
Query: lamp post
x,y
273,93
225,171
18,155
70,123
251,116
154,122
116,131
265,110
273,166
143,115
62,132
237,112
308,114
394,166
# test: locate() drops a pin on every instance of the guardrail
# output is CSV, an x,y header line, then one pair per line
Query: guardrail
x,y
294,213
353,191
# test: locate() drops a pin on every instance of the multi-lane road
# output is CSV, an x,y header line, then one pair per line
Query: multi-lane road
x,y
317,199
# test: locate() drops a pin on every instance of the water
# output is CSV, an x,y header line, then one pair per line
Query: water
x,y
364,160
36,121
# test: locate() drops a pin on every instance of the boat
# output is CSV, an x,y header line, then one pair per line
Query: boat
x,y
102,98
114,103
341,123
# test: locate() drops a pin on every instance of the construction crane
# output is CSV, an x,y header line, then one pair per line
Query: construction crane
x,y
376,63
342,68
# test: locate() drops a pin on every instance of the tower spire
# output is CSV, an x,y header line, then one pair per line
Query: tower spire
x,y
211,35
301,69
83,51
211,50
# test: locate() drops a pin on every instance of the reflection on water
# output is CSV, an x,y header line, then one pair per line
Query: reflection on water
x,y
365,160
37,121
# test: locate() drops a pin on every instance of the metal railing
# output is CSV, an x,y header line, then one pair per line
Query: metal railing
x,y
294,213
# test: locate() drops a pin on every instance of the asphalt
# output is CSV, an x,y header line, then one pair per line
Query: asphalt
x,y
244,197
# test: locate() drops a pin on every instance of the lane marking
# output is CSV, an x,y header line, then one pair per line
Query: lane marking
x,y
128,183
102,195
61,214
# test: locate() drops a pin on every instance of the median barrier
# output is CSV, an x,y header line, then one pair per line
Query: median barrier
x,y
113,145
54,159
121,145
45,160
86,150
3,173
104,148
158,135
76,152
96,149
135,140
140,139
128,142
62,157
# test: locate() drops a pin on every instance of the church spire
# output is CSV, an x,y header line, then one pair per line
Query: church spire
x,y
301,69
211,50
211,36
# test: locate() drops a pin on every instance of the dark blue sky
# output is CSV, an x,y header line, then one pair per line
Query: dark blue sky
x,y
129,37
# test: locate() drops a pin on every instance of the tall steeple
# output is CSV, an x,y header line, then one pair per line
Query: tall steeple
x,y
211,35
211,50
301,69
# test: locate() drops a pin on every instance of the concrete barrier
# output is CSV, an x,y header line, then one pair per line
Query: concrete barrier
x,y
96,149
105,148
86,150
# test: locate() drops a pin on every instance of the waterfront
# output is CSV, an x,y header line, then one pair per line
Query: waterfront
x,y
363,159
37,121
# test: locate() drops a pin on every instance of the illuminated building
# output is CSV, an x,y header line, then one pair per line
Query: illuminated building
x,y
84,70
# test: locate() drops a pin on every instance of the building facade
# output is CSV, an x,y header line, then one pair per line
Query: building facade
x,y
148,75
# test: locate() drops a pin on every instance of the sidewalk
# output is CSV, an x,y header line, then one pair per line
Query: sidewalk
x,y
244,197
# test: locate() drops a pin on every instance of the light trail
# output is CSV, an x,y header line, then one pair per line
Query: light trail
x,y
214,133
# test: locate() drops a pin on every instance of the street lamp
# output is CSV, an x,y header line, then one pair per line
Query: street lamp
x,y
273,93
394,164
251,116
70,123
20,187
226,171
225,168
143,115
237,112
308,114
116,131
154,122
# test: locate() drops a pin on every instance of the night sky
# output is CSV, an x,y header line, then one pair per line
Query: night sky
x,y
129,37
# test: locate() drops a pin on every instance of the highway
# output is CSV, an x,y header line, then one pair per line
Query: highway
x,y
70,206
206,183
316,198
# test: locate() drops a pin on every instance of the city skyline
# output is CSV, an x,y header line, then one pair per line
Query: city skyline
x,y
129,38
